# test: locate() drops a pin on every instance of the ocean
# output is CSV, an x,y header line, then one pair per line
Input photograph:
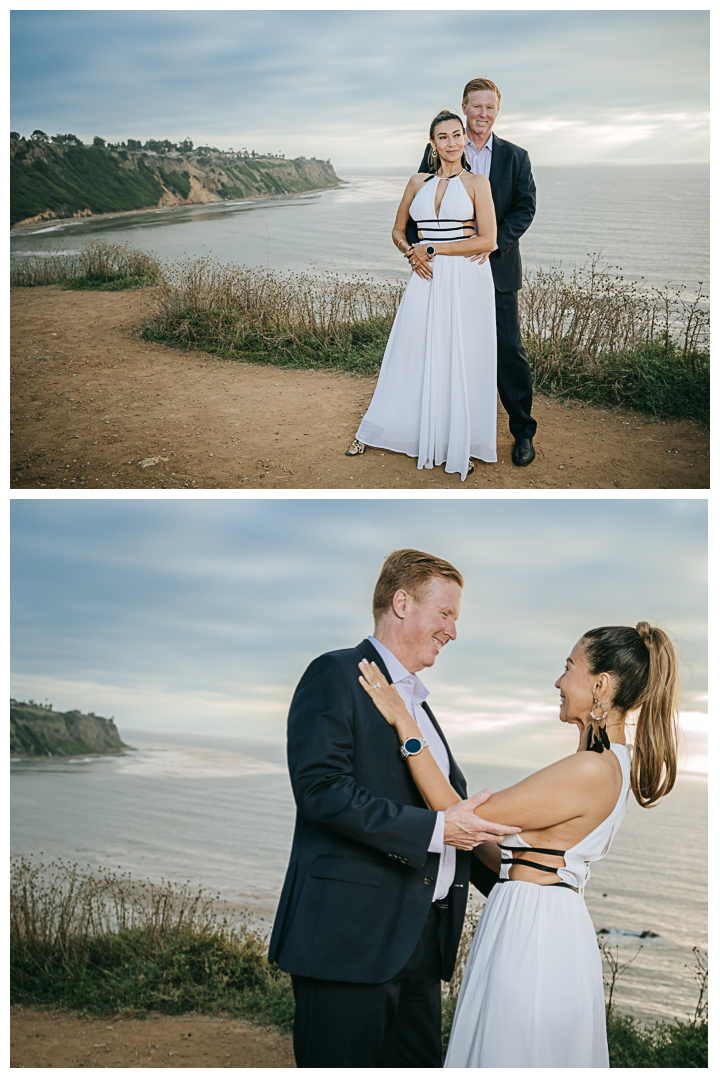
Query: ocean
x,y
219,813
650,222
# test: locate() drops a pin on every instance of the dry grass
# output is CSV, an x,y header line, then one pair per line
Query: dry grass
x,y
299,319
100,942
594,312
59,906
99,265
594,336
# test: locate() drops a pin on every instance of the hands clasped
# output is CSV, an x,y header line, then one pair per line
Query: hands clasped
x,y
420,261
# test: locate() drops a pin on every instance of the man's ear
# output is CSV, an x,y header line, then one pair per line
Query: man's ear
x,y
400,603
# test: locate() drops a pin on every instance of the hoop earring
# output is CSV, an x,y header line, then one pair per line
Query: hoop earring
x,y
598,741
434,153
592,711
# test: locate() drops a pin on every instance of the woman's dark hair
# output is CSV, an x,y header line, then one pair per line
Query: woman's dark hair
x,y
642,664
444,114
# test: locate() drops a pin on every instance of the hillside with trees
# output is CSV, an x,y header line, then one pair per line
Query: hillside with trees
x,y
37,731
59,177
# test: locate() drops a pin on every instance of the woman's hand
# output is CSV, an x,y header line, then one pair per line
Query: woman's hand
x,y
385,697
419,261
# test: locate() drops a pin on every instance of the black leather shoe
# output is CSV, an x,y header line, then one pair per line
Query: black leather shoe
x,y
523,452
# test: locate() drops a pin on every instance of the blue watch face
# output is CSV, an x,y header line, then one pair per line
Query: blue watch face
x,y
413,746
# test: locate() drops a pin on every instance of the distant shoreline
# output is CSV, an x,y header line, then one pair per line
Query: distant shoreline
x,y
51,223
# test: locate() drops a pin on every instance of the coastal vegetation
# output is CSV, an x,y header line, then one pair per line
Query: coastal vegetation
x,y
38,731
590,336
58,177
99,265
101,943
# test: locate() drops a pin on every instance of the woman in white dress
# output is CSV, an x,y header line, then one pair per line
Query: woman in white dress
x,y
436,395
532,994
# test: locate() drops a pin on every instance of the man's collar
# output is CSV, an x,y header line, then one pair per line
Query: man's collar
x,y
398,672
487,146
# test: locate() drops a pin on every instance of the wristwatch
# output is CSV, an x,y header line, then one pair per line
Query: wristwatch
x,y
430,251
411,747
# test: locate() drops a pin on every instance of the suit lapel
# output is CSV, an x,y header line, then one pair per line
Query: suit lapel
x,y
369,651
499,150
456,776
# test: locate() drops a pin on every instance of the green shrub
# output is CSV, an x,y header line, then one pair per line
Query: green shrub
x,y
653,378
677,1045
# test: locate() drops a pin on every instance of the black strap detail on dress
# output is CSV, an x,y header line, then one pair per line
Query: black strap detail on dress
x,y
535,865
548,885
539,850
424,221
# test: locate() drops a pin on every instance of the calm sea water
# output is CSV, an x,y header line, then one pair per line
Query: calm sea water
x,y
219,812
651,221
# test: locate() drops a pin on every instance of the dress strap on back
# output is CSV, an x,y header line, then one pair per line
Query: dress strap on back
x,y
539,850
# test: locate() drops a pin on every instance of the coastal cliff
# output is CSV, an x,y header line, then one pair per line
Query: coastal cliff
x,y
37,731
50,181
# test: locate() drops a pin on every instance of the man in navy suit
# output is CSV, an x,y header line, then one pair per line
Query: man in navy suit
x,y
372,908
513,189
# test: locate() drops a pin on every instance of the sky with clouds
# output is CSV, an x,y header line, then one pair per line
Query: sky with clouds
x,y
360,87
199,616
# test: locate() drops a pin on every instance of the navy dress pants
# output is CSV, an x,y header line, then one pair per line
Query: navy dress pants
x,y
513,370
395,1024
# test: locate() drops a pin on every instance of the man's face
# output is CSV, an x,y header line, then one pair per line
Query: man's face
x,y
481,109
429,622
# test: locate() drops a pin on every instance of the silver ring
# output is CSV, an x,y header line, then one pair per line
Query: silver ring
x,y
376,686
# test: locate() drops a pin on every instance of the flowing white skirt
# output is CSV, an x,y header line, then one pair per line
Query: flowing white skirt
x,y
532,996
436,395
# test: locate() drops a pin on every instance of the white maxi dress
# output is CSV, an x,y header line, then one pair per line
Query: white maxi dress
x,y
436,395
532,994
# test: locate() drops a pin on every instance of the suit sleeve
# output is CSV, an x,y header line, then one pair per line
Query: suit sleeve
x,y
522,210
321,745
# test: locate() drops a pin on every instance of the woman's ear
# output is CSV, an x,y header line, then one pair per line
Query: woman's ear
x,y
602,687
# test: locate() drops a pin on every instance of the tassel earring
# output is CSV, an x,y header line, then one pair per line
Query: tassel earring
x,y
598,741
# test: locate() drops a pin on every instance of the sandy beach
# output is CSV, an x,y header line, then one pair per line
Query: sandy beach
x,y
95,406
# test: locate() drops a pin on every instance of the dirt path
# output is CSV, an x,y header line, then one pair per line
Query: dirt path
x,y
59,1040
94,406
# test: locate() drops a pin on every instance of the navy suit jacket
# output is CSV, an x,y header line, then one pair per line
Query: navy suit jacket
x,y
360,881
513,192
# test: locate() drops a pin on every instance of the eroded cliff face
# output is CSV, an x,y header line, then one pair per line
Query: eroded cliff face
x,y
38,732
49,181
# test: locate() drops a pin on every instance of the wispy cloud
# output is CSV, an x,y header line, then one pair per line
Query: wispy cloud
x,y
201,616
577,85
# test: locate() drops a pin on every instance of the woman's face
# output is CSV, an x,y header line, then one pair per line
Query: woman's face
x,y
449,140
576,687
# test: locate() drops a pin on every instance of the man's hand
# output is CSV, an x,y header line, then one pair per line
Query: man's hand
x,y
481,258
465,830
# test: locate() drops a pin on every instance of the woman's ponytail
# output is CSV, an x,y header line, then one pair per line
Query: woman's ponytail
x,y
654,763
644,669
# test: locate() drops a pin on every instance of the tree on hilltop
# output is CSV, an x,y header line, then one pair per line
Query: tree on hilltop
x,y
39,136
97,141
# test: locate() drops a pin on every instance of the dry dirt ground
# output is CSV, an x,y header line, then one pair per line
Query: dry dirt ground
x,y
95,406
59,1040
